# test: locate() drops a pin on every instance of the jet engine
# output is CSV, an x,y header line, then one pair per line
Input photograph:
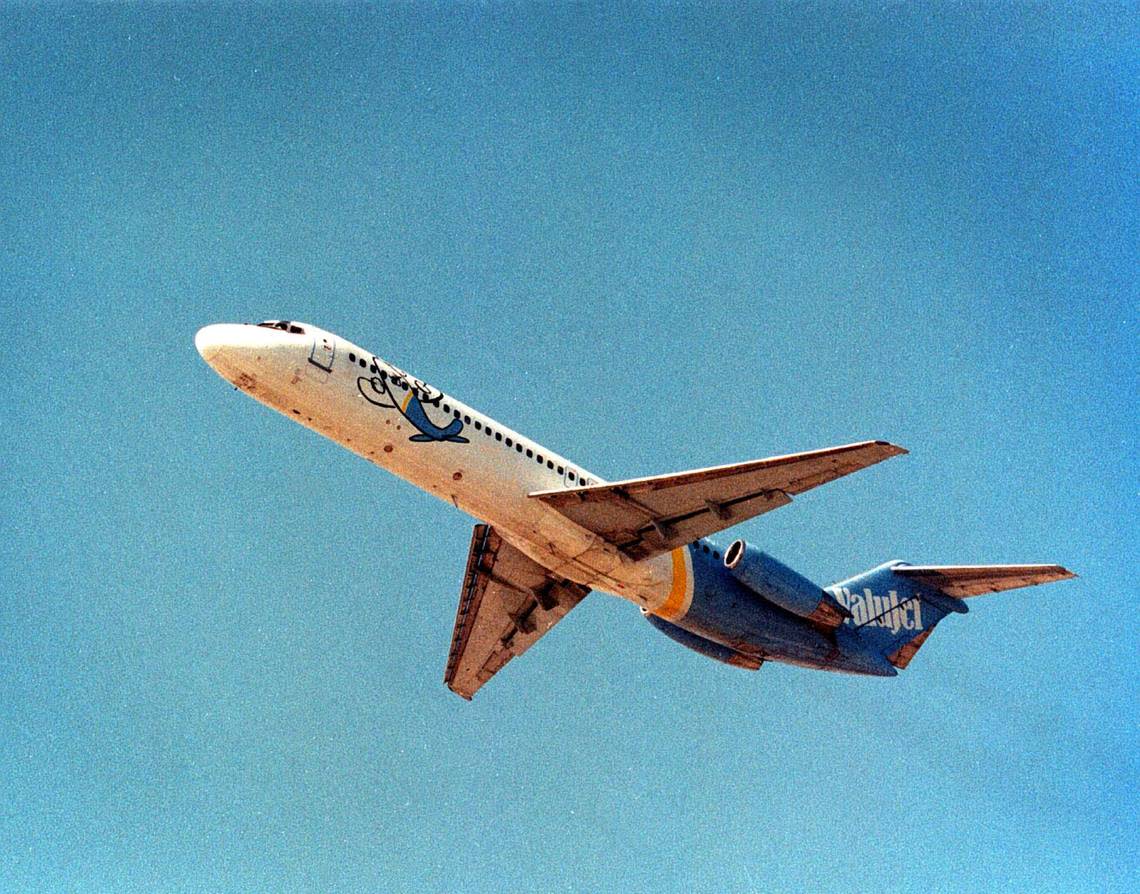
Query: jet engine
x,y
777,583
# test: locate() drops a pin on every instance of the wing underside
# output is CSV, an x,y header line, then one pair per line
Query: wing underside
x,y
646,517
508,601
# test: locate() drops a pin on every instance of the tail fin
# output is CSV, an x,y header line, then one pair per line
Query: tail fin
x,y
895,607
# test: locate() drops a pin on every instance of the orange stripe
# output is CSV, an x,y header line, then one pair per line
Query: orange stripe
x,y
672,607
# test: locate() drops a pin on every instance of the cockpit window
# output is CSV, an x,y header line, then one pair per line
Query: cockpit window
x,y
283,325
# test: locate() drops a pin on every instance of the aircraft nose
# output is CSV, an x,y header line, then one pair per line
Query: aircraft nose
x,y
211,341
226,346
219,336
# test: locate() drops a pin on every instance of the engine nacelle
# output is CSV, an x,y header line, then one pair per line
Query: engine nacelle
x,y
703,646
776,582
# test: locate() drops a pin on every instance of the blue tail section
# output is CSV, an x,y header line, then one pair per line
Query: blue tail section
x,y
892,615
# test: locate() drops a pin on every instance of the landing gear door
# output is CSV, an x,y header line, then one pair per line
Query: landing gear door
x,y
323,350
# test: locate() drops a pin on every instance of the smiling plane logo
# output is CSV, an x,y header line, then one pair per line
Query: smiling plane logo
x,y
377,390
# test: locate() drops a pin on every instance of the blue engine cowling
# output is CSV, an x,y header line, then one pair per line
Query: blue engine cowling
x,y
703,646
777,583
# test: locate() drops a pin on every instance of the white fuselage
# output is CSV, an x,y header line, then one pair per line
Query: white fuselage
x,y
488,470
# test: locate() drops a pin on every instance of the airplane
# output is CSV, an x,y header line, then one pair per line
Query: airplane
x,y
550,531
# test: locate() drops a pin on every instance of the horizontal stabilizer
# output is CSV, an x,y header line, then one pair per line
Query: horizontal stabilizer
x,y
974,580
895,607
645,517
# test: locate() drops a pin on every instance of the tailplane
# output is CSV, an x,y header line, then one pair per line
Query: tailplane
x,y
895,607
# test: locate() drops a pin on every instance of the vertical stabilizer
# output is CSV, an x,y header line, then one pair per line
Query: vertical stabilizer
x,y
893,614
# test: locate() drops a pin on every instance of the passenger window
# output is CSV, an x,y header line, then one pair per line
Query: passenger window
x,y
550,464
446,408
571,474
477,425
467,419
498,436
351,358
362,363
530,454
560,470
518,448
456,414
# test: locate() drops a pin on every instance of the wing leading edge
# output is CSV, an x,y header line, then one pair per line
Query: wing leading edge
x,y
646,517
507,603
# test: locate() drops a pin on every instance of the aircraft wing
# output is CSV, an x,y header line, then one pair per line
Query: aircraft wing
x,y
507,602
974,580
645,517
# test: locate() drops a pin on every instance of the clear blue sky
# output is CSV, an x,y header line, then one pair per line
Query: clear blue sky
x,y
653,239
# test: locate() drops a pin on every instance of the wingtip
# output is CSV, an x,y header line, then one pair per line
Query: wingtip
x,y
1058,572
466,696
892,449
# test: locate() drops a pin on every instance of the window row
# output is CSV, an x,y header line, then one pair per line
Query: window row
x,y
572,475
373,368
